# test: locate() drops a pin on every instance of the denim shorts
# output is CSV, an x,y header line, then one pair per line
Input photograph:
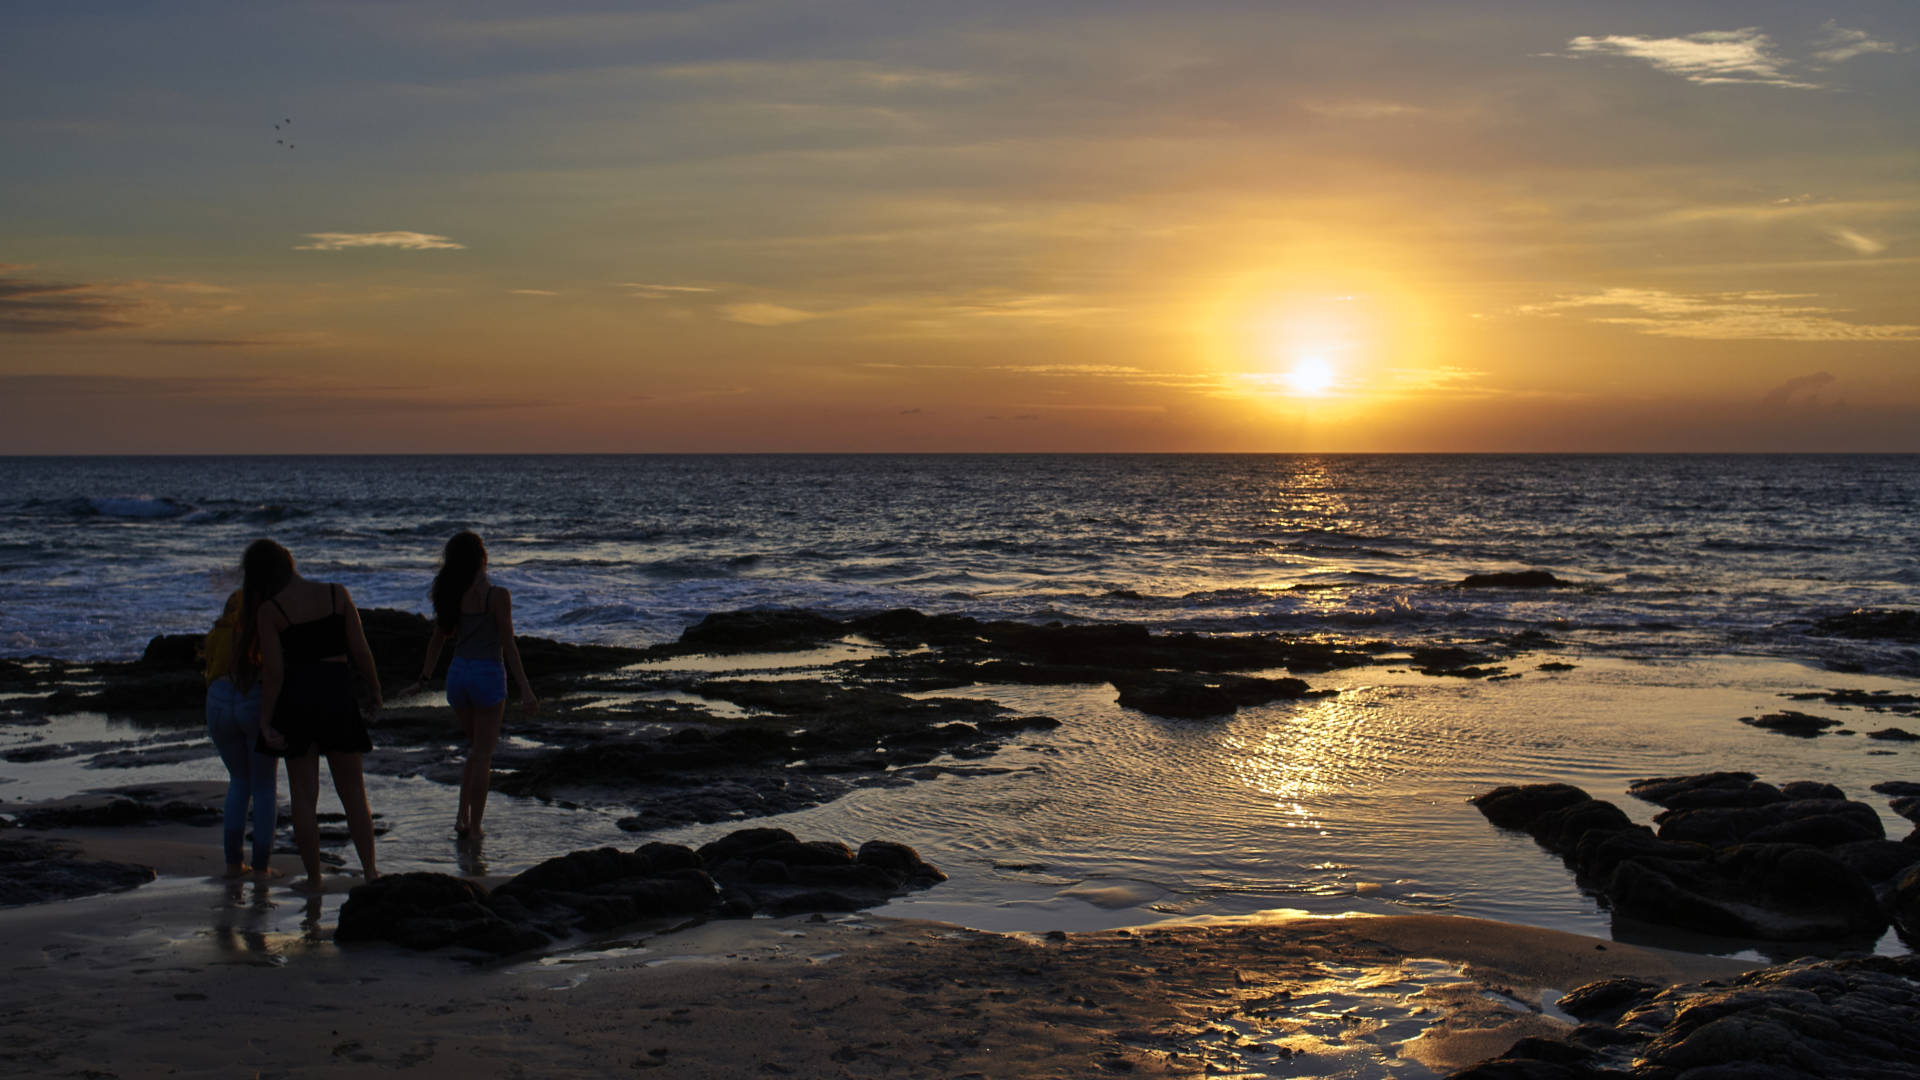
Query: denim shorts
x,y
478,684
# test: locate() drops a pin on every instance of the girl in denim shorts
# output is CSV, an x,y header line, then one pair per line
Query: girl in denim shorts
x,y
477,618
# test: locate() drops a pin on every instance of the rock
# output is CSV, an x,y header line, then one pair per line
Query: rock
x,y
1562,830
1513,579
430,911
1819,822
742,844
1907,806
1781,892
1881,862
1905,902
1797,724
1897,787
900,861
1851,1019
760,631
1705,789
1893,734
1598,853
1516,807
1810,789
1607,997
1195,697
36,870
1871,623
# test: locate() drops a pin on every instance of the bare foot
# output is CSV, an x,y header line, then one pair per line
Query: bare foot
x,y
265,873
312,886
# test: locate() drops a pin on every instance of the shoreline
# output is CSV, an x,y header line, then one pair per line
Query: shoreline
x,y
193,976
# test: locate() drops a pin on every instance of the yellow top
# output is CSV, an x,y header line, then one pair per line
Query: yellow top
x,y
217,649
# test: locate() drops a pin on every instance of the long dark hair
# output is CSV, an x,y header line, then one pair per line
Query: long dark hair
x,y
462,560
265,569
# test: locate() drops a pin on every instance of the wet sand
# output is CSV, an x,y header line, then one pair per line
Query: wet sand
x,y
195,976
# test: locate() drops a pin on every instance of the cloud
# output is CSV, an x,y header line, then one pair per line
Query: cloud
x,y
1837,44
1739,316
406,241
213,343
1855,242
647,291
1808,385
533,292
765,314
1715,56
54,307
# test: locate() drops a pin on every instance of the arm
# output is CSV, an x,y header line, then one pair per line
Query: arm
x,y
510,651
431,664
358,651
273,671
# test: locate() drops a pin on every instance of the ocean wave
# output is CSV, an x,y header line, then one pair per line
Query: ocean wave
x,y
135,507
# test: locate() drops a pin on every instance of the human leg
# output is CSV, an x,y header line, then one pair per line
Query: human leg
x,y
483,723
236,753
303,792
351,785
265,787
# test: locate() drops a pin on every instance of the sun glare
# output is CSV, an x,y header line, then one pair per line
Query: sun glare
x,y
1311,376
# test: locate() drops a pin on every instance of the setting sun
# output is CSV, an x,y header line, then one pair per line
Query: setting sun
x,y
1312,376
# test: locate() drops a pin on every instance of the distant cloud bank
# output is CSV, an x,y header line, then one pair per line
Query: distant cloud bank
x,y
405,241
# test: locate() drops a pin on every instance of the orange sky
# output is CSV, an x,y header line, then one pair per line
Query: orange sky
x,y
877,227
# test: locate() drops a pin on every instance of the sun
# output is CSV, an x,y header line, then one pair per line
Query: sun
x,y
1312,375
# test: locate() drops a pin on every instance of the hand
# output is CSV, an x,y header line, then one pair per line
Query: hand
x,y
529,704
413,688
272,738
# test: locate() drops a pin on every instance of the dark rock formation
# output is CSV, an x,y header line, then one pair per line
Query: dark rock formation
x,y
1871,623
1786,869
1811,789
1820,822
1798,724
1907,806
1513,579
1851,1019
34,870
1780,892
1906,902
1194,696
1705,789
745,872
1893,734
1516,807
1897,787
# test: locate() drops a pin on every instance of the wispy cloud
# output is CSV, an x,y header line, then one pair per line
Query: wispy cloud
x,y
643,290
405,241
533,292
1837,44
1712,57
1739,316
765,314
57,307
1855,242
1807,386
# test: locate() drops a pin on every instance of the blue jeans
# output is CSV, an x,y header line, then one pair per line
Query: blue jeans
x,y
233,720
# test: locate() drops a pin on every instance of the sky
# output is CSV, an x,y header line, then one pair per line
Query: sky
x,y
838,225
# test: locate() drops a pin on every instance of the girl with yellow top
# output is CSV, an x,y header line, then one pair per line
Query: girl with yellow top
x,y
233,721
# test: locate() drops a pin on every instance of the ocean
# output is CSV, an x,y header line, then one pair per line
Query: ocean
x,y
1697,585
1671,555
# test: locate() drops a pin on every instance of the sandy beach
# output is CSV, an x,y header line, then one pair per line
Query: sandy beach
x,y
196,976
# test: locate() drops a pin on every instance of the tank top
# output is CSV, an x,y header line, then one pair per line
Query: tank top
x,y
479,636
316,639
